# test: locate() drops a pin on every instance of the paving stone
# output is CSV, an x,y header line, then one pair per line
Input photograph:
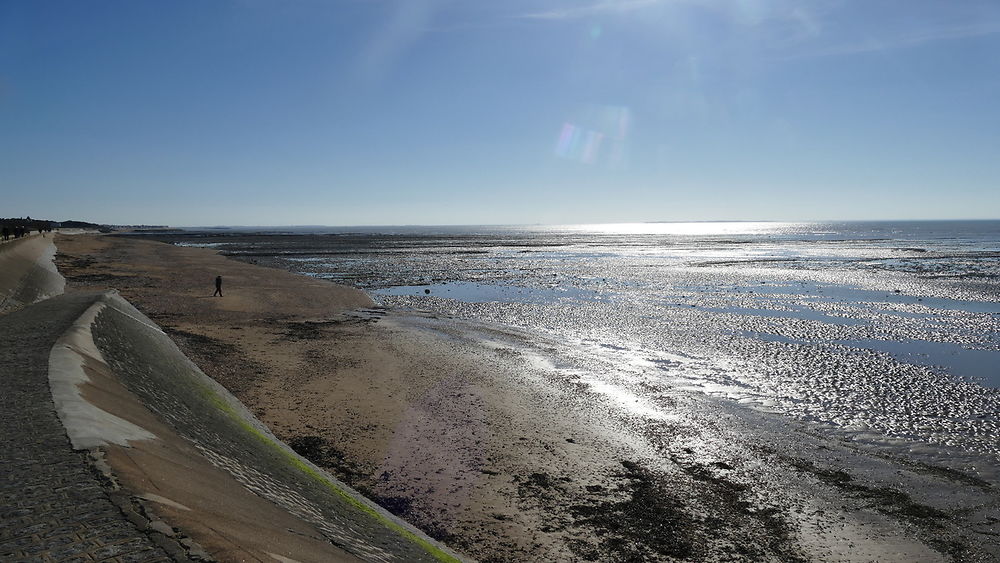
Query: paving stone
x,y
120,549
50,532
73,550
15,545
141,557
50,495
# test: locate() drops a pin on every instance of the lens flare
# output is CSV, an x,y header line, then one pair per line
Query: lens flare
x,y
596,136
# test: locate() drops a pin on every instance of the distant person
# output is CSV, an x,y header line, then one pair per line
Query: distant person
x,y
218,286
6,233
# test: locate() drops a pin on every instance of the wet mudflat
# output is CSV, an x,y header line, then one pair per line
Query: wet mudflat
x,y
890,329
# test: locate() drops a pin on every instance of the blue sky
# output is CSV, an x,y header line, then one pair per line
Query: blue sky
x,y
524,111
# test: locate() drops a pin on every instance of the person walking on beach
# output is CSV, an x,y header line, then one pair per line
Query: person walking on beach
x,y
218,286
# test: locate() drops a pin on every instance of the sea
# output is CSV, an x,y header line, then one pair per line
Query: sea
x,y
882,333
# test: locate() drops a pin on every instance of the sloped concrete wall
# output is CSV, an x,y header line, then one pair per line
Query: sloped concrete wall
x,y
27,272
200,410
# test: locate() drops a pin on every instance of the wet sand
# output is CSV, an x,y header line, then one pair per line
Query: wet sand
x,y
466,431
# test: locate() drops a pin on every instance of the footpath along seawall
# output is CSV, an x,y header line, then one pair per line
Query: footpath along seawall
x,y
120,447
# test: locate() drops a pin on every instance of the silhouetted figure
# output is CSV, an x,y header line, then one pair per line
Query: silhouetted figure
x,y
6,233
218,286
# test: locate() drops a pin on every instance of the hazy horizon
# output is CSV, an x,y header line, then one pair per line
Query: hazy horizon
x,y
459,225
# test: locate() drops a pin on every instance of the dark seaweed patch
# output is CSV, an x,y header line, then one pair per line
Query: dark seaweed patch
x,y
201,345
307,330
883,499
322,452
400,506
638,518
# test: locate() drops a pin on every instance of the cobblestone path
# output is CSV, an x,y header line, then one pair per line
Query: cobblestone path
x,y
52,504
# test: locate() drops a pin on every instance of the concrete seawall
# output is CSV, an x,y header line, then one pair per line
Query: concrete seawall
x,y
27,273
54,504
186,464
226,434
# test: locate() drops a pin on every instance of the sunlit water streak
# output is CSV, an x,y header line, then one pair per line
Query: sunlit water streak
x,y
887,331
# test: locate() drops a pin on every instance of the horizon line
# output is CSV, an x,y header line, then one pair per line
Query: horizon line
x,y
817,221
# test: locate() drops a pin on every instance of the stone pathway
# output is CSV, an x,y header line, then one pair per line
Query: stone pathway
x,y
53,506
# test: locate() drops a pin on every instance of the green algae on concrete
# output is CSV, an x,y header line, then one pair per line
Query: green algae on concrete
x,y
149,364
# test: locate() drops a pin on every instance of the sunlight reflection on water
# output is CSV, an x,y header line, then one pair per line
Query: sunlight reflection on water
x,y
888,326
687,229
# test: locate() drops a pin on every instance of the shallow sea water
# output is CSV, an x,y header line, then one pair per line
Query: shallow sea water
x,y
886,333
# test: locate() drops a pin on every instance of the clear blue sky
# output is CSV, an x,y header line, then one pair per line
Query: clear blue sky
x,y
522,111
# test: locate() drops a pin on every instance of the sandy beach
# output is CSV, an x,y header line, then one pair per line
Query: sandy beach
x,y
464,430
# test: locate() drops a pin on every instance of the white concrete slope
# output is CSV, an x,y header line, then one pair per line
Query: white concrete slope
x,y
27,272
191,453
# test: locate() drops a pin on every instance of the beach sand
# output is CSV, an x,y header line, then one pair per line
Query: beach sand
x,y
467,432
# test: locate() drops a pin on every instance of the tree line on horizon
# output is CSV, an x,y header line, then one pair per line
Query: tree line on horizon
x,y
35,224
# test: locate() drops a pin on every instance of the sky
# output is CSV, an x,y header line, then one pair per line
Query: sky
x,y
393,112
